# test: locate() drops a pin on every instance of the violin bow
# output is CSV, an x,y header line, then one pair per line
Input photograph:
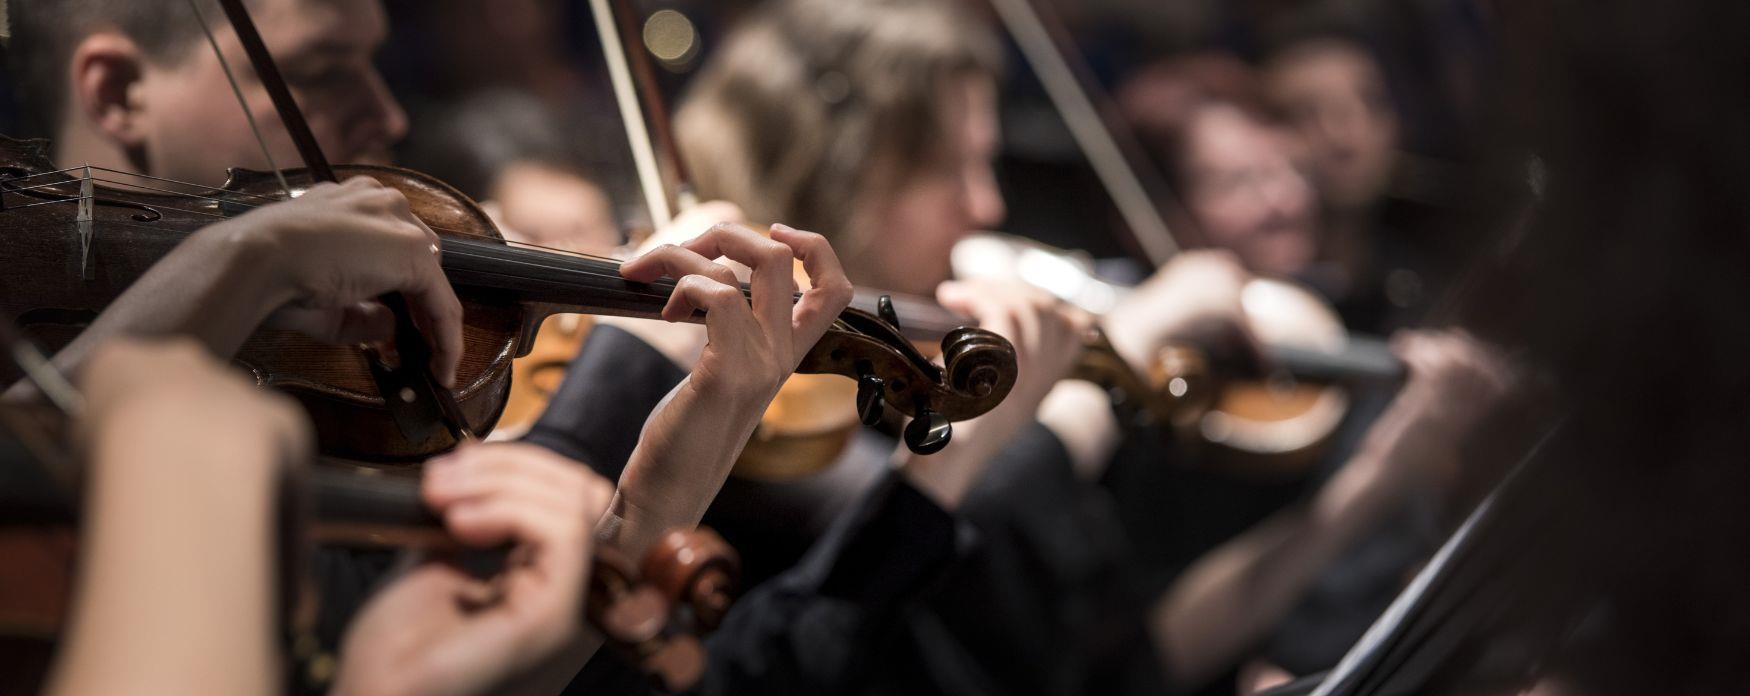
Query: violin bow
x,y
410,391
635,90
1099,134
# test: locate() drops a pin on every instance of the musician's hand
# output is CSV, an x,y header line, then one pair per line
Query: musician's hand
x,y
1048,336
1453,382
437,630
681,343
336,248
689,222
1195,297
750,350
693,439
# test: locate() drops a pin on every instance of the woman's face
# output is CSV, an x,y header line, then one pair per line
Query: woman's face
x,y
1246,194
911,231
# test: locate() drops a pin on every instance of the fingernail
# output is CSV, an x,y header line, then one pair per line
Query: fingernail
x,y
782,227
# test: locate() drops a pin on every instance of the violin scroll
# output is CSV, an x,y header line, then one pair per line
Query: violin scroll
x,y
979,363
697,570
979,370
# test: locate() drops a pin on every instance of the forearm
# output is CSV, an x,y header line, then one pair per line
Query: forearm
x,y
699,431
217,287
1231,597
173,594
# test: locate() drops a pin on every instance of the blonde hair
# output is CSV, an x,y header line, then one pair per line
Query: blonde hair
x,y
812,106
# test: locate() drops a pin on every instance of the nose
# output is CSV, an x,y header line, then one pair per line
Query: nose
x,y
1286,194
984,200
382,123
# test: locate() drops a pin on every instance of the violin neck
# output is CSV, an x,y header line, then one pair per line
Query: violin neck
x,y
576,284
1362,360
350,497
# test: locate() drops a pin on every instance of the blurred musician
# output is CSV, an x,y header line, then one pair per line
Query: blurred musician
x,y
133,87
875,121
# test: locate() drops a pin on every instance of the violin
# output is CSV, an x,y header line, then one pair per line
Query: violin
x,y
1268,420
83,235
71,258
1275,426
651,612
808,425
1265,419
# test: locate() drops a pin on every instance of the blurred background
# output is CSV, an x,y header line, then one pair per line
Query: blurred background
x,y
516,91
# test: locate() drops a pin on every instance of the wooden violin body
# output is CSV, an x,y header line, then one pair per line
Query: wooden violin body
x,y
78,241
1261,425
58,279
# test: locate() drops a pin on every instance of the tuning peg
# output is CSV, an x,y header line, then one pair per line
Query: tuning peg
x,y
637,616
929,432
884,309
871,399
678,665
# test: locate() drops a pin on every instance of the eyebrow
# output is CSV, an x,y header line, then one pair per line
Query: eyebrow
x,y
330,45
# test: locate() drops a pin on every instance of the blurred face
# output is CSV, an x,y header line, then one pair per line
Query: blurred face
x,y
1245,193
191,125
1336,101
912,230
555,208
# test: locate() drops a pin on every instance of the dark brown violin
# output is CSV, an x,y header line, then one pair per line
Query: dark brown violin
x,y
81,236
1271,417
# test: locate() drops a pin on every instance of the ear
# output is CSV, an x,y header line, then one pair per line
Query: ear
x,y
105,69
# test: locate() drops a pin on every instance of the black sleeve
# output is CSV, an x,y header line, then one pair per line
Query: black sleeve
x,y
813,628
613,384
1043,603
1029,496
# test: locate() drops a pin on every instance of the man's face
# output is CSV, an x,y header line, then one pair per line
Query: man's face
x,y
194,129
1335,98
1246,193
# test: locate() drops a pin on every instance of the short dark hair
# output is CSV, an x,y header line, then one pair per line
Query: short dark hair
x,y
45,32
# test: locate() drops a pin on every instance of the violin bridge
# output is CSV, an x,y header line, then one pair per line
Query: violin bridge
x,y
87,194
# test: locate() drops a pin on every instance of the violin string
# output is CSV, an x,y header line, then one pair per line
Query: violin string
x,y
220,196
72,199
231,77
224,196
461,248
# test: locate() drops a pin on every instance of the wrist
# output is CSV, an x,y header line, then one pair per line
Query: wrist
x,y
243,451
941,477
253,262
236,470
684,455
742,402
1134,341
